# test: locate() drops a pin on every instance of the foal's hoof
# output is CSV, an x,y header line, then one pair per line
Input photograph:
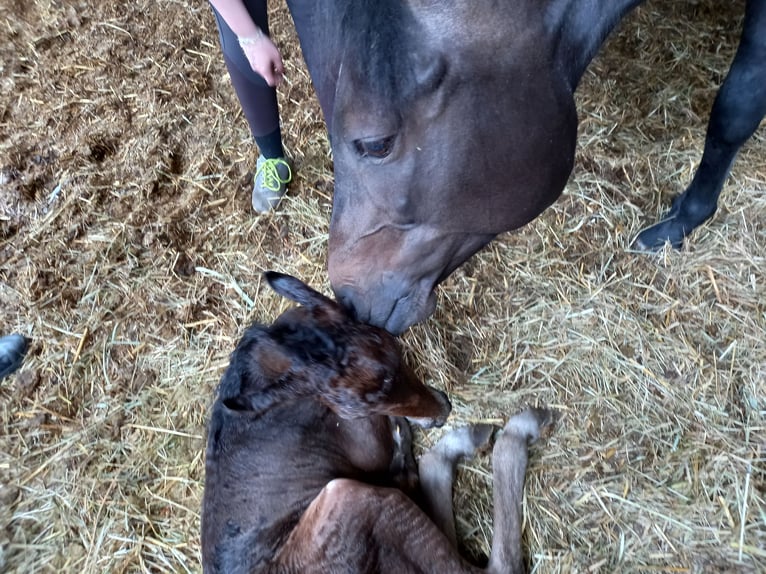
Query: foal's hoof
x,y
464,442
12,351
532,423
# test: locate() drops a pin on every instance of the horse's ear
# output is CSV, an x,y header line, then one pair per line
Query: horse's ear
x,y
430,71
296,290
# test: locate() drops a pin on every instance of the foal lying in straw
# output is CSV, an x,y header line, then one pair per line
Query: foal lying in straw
x,y
309,466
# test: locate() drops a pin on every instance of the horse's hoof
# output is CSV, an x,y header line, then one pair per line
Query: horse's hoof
x,y
12,351
654,237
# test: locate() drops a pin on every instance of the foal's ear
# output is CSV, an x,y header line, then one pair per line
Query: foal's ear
x,y
271,360
296,290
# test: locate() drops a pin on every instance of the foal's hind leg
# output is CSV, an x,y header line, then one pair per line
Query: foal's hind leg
x,y
738,110
437,472
356,527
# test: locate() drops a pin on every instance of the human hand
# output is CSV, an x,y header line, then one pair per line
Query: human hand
x,y
264,58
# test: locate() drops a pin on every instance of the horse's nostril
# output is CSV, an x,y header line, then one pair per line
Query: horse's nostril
x,y
345,299
373,306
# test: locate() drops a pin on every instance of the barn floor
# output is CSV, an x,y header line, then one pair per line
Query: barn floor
x,y
128,253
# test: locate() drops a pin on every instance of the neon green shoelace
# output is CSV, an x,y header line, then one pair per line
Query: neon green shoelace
x,y
271,178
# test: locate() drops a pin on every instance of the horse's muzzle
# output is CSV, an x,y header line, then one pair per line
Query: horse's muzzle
x,y
394,312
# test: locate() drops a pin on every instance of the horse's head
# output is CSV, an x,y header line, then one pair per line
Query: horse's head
x,y
448,127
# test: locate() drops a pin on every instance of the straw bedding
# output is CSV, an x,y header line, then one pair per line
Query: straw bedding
x,y
128,253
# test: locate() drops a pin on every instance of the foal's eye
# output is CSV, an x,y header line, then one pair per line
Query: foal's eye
x,y
376,148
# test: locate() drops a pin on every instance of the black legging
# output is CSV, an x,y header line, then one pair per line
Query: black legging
x,y
257,98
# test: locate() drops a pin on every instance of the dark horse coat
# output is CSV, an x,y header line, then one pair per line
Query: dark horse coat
x,y
309,466
453,121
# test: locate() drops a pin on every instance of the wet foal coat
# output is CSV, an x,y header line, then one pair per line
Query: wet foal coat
x,y
309,465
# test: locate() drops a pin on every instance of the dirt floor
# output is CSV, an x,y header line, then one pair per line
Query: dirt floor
x,y
130,257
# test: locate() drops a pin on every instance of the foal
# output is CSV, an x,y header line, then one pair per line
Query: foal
x,y
309,465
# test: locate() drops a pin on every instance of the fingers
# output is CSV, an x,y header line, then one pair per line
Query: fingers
x,y
272,71
272,78
277,72
271,68
265,60
277,68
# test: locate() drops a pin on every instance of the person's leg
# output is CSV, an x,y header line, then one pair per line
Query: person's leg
x,y
259,105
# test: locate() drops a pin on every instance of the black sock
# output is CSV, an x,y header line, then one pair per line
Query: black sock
x,y
270,145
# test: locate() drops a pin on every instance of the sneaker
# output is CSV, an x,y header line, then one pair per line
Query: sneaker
x,y
271,179
12,351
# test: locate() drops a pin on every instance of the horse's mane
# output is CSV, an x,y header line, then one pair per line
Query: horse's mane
x,y
377,39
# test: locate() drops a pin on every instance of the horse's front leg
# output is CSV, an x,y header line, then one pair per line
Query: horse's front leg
x,y
738,110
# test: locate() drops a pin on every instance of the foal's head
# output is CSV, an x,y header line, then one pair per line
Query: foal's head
x,y
354,368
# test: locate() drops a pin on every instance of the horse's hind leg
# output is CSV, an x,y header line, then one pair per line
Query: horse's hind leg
x,y
437,472
509,466
738,110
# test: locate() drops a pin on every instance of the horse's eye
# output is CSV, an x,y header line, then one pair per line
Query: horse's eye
x,y
376,148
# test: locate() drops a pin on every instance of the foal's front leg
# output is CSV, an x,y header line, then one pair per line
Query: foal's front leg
x,y
509,467
437,472
403,469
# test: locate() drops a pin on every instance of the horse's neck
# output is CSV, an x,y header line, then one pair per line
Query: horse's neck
x,y
582,26
577,28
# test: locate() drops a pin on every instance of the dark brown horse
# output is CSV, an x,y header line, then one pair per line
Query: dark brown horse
x,y
453,121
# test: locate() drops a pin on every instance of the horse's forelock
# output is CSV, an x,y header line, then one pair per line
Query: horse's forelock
x,y
377,39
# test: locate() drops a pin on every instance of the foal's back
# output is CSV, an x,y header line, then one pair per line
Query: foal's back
x,y
264,471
